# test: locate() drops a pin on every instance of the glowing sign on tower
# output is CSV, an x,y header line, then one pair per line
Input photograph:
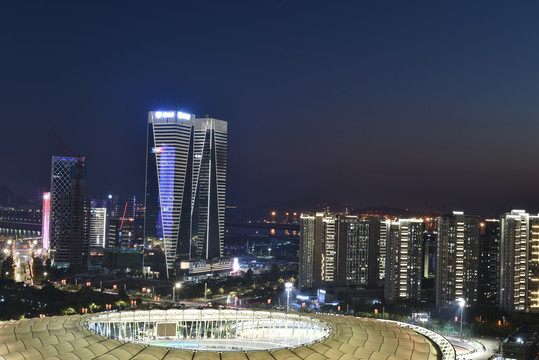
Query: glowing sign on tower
x,y
180,115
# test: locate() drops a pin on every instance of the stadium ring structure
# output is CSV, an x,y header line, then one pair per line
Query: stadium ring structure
x,y
193,334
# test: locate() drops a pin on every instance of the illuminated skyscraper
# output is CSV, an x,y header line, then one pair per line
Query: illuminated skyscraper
x,y
185,186
209,184
519,261
68,240
457,264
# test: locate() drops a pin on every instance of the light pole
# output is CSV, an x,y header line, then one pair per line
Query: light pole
x,y
462,303
178,286
288,287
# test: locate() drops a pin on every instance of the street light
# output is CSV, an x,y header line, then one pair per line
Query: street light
x,y
288,287
178,286
462,303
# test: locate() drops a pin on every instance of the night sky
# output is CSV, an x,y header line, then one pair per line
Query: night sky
x,y
403,104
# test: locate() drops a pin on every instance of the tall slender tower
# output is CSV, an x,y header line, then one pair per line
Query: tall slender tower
x,y
46,221
185,186
68,243
168,183
208,192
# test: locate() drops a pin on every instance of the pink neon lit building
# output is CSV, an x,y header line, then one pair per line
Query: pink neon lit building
x,y
45,223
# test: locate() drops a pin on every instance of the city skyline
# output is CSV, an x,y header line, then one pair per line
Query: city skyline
x,y
404,105
281,179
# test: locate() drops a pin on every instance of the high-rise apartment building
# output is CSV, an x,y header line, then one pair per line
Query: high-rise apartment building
x,y
329,251
357,261
185,186
68,240
457,263
311,249
519,261
430,236
489,261
383,239
337,250
404,267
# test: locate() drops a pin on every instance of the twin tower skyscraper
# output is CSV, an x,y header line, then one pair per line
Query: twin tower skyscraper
x,y
185,186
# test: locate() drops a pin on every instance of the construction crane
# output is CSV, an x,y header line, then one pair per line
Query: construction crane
x,y
59,144
120,237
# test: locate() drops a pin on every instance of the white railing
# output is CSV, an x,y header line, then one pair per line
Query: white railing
x,y
225,330
448,351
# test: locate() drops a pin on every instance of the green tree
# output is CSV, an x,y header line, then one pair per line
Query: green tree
x,y
37,269
248,277
8,272
122,295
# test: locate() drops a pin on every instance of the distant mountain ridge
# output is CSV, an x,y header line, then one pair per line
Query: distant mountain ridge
x,y
314,204
7,197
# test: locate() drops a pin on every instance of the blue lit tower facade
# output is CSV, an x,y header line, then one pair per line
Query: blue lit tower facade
x,y
185,185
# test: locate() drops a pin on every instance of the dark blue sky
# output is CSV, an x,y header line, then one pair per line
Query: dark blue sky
x,y
394,103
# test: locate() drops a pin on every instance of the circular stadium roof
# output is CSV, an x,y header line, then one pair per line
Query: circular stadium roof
x,y
68,337
210,330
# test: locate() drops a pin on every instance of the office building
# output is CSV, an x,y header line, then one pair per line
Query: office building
x,y
69,213
98,229
457,263
185,186
209,185
489,261
404,266
120,206
519,261
121,234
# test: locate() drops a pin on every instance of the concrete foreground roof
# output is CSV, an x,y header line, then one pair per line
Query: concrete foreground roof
x,y
65,337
